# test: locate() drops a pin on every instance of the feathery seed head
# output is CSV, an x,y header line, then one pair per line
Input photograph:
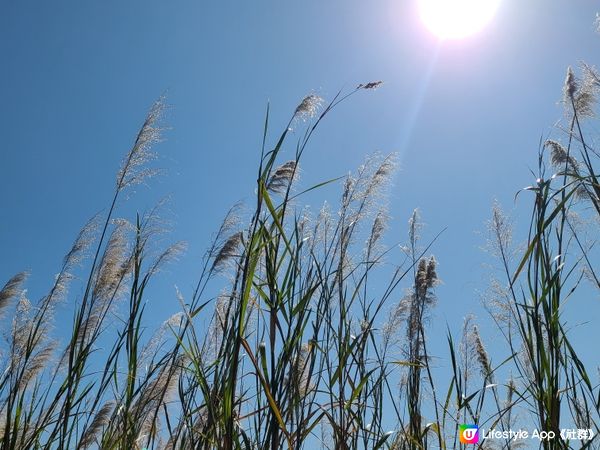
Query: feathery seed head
x,y
482,355
282,177
229,250
377,230
382,175
414,226
431,276
231,220
101,421
300,371
36,364
581,94
349,184
559,156
132,170
114,265
421,278
82,243
175,321
386,168
570,86
309,107
11,289
397,316
171,253
511,388
24,305
370,85
587,94
22,324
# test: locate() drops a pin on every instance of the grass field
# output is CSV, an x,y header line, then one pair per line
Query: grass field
x,y
298,343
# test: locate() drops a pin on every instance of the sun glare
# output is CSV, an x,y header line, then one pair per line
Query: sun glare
x,y
456,19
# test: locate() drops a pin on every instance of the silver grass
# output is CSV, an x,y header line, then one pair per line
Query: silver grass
x,y
12,289
431,276
75,255
570,86
323,226
370,85
230,249
22,326
497,302
91,325
582,192
421,278
382,175
114,265
82,243
282,177
511,389
110,283
36,364
361,190
586,96
582,415
170,254
161,388
397,317
377,230
155,394
465,346
173,323
414,227
62,280
481,353
230,223
303,230
420,300
347,197
426,275
100,421
300,367
379,226
581,94
132,170
171,442
218,324
500,231
309,107
358,202
221,311
413,329
591,72
559,157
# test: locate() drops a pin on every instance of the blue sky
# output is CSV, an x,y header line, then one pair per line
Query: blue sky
x,y
76,79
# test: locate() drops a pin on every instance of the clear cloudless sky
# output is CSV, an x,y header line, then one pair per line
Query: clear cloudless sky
x,y
76,79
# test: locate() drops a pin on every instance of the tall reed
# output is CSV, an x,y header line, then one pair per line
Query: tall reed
x,y
305,331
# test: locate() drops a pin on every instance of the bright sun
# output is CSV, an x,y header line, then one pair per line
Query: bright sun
x,y
456,19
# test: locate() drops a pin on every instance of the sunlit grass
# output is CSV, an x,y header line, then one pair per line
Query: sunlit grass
x,y
304,331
